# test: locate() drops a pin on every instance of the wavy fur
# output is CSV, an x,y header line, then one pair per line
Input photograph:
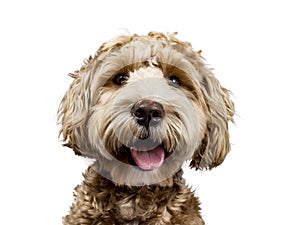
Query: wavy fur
x,y
97,123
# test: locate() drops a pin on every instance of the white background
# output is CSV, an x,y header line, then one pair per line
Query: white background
x,y
254,48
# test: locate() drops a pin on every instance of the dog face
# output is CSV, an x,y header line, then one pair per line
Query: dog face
x,y
143,106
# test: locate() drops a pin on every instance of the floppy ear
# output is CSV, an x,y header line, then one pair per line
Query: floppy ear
x,y
74,108
72,114
215,145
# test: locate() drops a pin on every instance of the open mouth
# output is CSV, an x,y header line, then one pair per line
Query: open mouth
x,y
150,159
145,159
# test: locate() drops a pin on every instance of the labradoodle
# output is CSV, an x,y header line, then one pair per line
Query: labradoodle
x,y
140,108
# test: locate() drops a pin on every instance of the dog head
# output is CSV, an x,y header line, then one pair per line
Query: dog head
x,y
142,106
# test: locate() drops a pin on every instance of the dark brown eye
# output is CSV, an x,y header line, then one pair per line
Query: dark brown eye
x,y
175,81
120,78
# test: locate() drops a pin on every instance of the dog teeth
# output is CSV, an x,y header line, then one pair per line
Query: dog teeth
x,y
140,149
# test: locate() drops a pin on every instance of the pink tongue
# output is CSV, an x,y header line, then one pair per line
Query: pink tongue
x,y
148,160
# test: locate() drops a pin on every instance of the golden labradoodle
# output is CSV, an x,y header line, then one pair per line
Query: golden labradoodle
x,y
141,107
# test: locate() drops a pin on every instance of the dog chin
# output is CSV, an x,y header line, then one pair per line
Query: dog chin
x,y
140,165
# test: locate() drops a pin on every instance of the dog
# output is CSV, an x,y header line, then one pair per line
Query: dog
x,y
140,108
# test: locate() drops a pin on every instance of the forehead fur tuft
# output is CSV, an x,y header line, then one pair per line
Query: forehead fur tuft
x,y
118,41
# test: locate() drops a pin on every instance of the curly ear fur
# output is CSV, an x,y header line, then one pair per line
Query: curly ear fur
x,y
73,112
215,145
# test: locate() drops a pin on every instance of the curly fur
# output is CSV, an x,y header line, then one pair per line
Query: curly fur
x,y
100,201
96,123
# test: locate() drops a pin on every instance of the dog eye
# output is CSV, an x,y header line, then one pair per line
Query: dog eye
x,y
120,78
175,80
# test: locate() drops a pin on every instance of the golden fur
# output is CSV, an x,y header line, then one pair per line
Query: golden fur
x,y
96,123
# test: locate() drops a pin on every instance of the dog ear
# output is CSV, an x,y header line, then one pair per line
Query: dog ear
x,y
215,144
72,113
74,108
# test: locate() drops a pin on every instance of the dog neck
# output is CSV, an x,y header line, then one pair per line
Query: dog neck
x,y
129,203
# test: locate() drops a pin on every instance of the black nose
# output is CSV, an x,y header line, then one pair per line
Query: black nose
x,y
147,113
